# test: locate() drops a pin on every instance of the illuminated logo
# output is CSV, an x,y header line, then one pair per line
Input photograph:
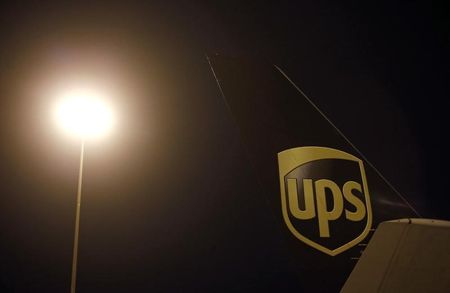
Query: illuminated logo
x,y
324,197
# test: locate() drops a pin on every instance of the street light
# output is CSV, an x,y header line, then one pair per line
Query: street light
x,y
82,112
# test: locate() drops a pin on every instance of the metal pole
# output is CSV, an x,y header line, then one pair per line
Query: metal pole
x,y
77,224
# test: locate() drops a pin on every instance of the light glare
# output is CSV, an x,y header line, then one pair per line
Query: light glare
x,y
84,113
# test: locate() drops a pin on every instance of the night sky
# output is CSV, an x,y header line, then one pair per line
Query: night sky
x,y
164,194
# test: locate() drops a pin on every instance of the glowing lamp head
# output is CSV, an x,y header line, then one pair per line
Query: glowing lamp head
x,y
85,114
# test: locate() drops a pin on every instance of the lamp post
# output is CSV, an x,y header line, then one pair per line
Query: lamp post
x,y
82,113
73,281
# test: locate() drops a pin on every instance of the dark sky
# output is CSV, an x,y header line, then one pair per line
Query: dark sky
x,y
173,169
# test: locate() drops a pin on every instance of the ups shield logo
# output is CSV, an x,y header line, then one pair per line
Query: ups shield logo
x,y
324,197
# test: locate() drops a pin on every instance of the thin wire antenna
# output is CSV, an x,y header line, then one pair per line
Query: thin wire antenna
x,y
348,141
239,130
219,86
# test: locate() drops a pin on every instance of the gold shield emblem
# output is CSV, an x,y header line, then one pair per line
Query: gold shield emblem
x,y
324,197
